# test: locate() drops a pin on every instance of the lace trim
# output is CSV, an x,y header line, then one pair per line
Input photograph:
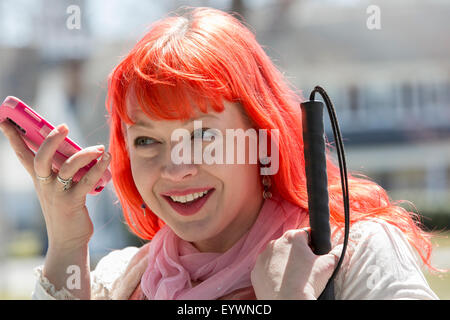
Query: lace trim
x,y
98,290
62,294
110,268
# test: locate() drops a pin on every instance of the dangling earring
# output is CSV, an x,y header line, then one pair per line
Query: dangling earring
x,y
266,181
143,206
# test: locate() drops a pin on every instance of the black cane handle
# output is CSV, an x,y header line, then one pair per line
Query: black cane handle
x,y
317,182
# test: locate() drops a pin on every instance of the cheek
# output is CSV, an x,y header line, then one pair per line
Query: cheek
x,y
248,178
239,180
144,174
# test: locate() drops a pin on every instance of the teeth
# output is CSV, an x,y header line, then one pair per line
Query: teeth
x,y
188,197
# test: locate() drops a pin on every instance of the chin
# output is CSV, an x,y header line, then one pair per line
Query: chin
x,y
190,236
195,231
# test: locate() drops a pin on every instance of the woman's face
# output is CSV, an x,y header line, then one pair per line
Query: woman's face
x,y
176,192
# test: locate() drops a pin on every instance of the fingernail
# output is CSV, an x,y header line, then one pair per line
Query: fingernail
x,y
100,148
62,128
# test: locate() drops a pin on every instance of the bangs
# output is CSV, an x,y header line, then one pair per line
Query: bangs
x,y
178,101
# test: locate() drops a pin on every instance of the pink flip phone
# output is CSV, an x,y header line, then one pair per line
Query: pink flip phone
x,y
34,129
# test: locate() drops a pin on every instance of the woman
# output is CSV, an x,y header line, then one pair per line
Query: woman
x,y
218,229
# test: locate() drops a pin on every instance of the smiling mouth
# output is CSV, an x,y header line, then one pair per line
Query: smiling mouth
x,y
189,204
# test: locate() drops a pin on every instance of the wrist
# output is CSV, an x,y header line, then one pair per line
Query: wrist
x,y
62,253
67,246
68,267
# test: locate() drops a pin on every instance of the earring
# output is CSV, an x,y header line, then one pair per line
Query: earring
x,y
266,181
143,206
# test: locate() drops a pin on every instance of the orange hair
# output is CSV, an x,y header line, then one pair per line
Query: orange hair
x,y
198,59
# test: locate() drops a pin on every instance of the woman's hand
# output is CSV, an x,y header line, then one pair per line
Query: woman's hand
x,y
288,269
66,216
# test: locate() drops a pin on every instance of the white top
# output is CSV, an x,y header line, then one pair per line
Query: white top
x,y
380,264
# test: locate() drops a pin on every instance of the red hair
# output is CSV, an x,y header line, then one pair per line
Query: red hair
x,y
200,58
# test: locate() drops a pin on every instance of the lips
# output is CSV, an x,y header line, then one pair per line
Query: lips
x,y
190,207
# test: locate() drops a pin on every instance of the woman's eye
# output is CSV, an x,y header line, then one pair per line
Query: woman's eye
x,y
204,134
144,141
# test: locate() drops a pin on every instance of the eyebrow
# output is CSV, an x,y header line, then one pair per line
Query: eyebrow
x,y
144,124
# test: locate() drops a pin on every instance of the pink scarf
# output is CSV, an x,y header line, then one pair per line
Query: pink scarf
x,y
174,263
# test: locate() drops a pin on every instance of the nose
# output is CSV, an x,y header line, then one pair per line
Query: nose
x,y
178,172
175,170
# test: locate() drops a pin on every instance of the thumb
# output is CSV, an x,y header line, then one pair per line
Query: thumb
x,y
326,265
331,259
336,252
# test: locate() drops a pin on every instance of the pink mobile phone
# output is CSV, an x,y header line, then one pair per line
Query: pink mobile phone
x,y
34,129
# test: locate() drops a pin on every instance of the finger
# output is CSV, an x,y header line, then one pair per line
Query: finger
x,y
297,234
90,179
336,252
327,263
307,231
78,160
44,156
24,154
